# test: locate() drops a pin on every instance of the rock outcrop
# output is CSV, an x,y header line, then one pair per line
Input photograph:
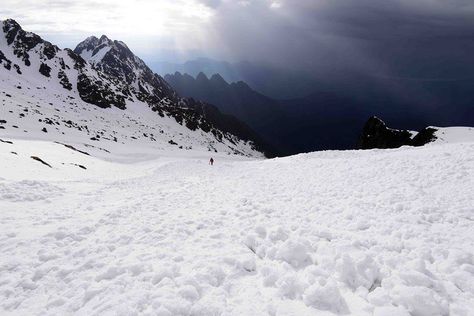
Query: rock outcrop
x,y
376,134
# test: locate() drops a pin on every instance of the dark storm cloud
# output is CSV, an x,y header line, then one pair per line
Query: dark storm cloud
x,y
380,37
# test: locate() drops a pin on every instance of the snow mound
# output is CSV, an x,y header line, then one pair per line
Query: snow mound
x,y
27,190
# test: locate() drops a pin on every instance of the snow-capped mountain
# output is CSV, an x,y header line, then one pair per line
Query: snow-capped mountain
x,y
102,92
129,72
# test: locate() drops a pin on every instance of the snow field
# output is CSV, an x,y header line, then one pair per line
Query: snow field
x,y
380,232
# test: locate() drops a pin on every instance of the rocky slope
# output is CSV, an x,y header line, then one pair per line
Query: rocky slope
x,y
101,73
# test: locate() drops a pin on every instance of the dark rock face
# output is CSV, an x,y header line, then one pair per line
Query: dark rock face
x,y
376,134
79,63
41,160
64,80
49,50
97,93
5,61
45,70
424,136
17,68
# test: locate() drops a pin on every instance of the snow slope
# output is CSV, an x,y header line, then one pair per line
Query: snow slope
x,y
52,94
26,111
376,232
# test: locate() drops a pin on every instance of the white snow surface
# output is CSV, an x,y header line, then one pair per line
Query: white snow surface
x,y
455,134
87,55
377,232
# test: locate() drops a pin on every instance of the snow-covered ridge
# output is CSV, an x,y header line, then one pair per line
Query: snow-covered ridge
x,y
363,233
44,87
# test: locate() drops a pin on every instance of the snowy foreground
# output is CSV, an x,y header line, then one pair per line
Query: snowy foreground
x,y
381,232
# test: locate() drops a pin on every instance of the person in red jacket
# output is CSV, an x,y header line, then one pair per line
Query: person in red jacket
x,y
211,161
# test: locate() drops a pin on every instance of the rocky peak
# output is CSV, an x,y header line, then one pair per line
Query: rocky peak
x,y
9,25
87,45
241,85
23,42
116,60
105,40
201,77
218,80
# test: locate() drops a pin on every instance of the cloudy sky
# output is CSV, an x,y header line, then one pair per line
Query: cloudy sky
x,y
424,38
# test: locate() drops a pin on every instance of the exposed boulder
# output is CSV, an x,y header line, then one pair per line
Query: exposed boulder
x,y
64,80
5,61
45,70
376,134
424,136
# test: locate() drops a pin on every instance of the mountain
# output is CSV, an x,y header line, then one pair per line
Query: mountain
x,y
107,94
272,81
260,112
194,67
235,98
130,74
318,121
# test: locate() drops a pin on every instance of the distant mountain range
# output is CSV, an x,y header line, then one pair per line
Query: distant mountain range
x,y
236,98
275,82
319,121
333,119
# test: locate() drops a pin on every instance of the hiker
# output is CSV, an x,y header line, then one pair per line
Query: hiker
x,y
211,161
